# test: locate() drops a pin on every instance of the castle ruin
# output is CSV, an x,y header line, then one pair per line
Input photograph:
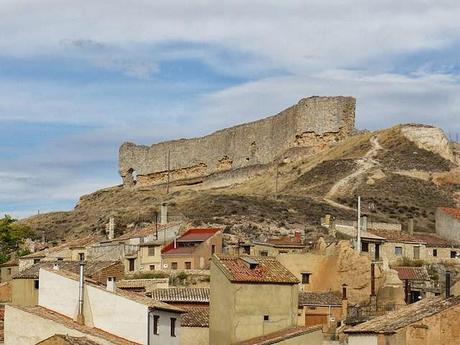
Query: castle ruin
x,y
311,125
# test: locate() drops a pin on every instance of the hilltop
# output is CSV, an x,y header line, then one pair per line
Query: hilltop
x,y
402,172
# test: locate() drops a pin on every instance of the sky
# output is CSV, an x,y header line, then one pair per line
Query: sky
x,y
79,78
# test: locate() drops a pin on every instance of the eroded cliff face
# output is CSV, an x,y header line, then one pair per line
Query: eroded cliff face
x,y
314,123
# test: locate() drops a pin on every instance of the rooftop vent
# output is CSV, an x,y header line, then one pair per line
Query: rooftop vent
x,y
250,262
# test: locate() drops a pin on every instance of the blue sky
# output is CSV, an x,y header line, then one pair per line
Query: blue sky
x,y
79,78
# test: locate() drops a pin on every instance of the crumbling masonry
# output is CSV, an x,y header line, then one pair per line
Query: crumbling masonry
x,y
311,125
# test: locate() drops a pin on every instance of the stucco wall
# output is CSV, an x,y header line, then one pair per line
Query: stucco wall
x,y
313,338
38,328
447,226
194,336
387,251
312,122
23,292
8,272
360,339
237,310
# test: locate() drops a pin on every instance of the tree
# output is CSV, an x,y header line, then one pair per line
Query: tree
x,y
12,235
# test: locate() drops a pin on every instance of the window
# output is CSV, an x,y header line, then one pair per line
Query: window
x,y
364,247
453,254
9,271
131,264
435,252
151,250
416,252
152,267
173,327
60,259
213,249
36,284
306,278
156,319
174,265
266,317
36,261
263,253
81,256
188,265
398,251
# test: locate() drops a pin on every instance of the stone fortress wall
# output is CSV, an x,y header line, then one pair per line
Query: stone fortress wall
x,y
313,123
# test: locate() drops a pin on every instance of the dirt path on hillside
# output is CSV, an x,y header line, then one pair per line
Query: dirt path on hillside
x,y
350,182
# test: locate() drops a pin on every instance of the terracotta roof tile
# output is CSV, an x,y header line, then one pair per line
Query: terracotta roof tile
x,y
198,234
412,273
395,236
319,299
195,317
454,212
405,316
267,270
140,283
187,295
275,338
68,340
433,240
91,268
69,323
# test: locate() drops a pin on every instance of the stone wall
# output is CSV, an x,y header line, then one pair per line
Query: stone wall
x,y
314,122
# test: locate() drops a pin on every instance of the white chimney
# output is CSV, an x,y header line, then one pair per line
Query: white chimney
x,y
81,291
56,266
111,228
164,213
111,284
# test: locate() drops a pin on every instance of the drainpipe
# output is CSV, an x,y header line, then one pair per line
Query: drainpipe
x,y
81,291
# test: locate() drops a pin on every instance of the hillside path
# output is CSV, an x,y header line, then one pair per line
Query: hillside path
x,y
349,182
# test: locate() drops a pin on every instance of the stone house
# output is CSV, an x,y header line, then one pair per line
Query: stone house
x,y
432,321
8,270
79,306
437,248
74,250
448,223
320,308
195,320
282,245
192,250
25,285
253,300
417,282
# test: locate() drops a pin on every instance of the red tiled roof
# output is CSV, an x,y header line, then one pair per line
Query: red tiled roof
x,y
276,337
191,235
433,240
267,271
195,317
176,295
412,273
199,235
395,235
454,212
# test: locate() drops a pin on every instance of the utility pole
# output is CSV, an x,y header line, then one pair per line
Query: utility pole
x,y
358,240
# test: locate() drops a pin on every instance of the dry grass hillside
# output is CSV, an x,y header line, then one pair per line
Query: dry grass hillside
x,y
396,178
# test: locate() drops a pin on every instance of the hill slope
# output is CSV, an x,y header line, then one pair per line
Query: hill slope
x,y
401,172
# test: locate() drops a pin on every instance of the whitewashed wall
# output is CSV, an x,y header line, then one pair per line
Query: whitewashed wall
x,y
360,339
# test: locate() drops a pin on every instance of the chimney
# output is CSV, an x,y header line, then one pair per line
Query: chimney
x,y
344,301
164,213
364,222
111,228
56,266
81,291
298,236
111,284
448,285
410,226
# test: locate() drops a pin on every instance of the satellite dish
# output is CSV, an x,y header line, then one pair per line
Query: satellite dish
x,y
165,265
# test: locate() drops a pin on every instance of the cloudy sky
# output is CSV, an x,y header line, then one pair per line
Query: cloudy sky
x,y
77,78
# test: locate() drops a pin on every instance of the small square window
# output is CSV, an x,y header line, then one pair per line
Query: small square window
x,y
174,265
453,254
151,250
398,251
263,253
306,278
435,252
364,247
266,317
9,271
81,256
188,265
152,267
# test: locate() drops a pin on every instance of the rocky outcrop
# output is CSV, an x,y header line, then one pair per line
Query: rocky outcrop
x,y
314,123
